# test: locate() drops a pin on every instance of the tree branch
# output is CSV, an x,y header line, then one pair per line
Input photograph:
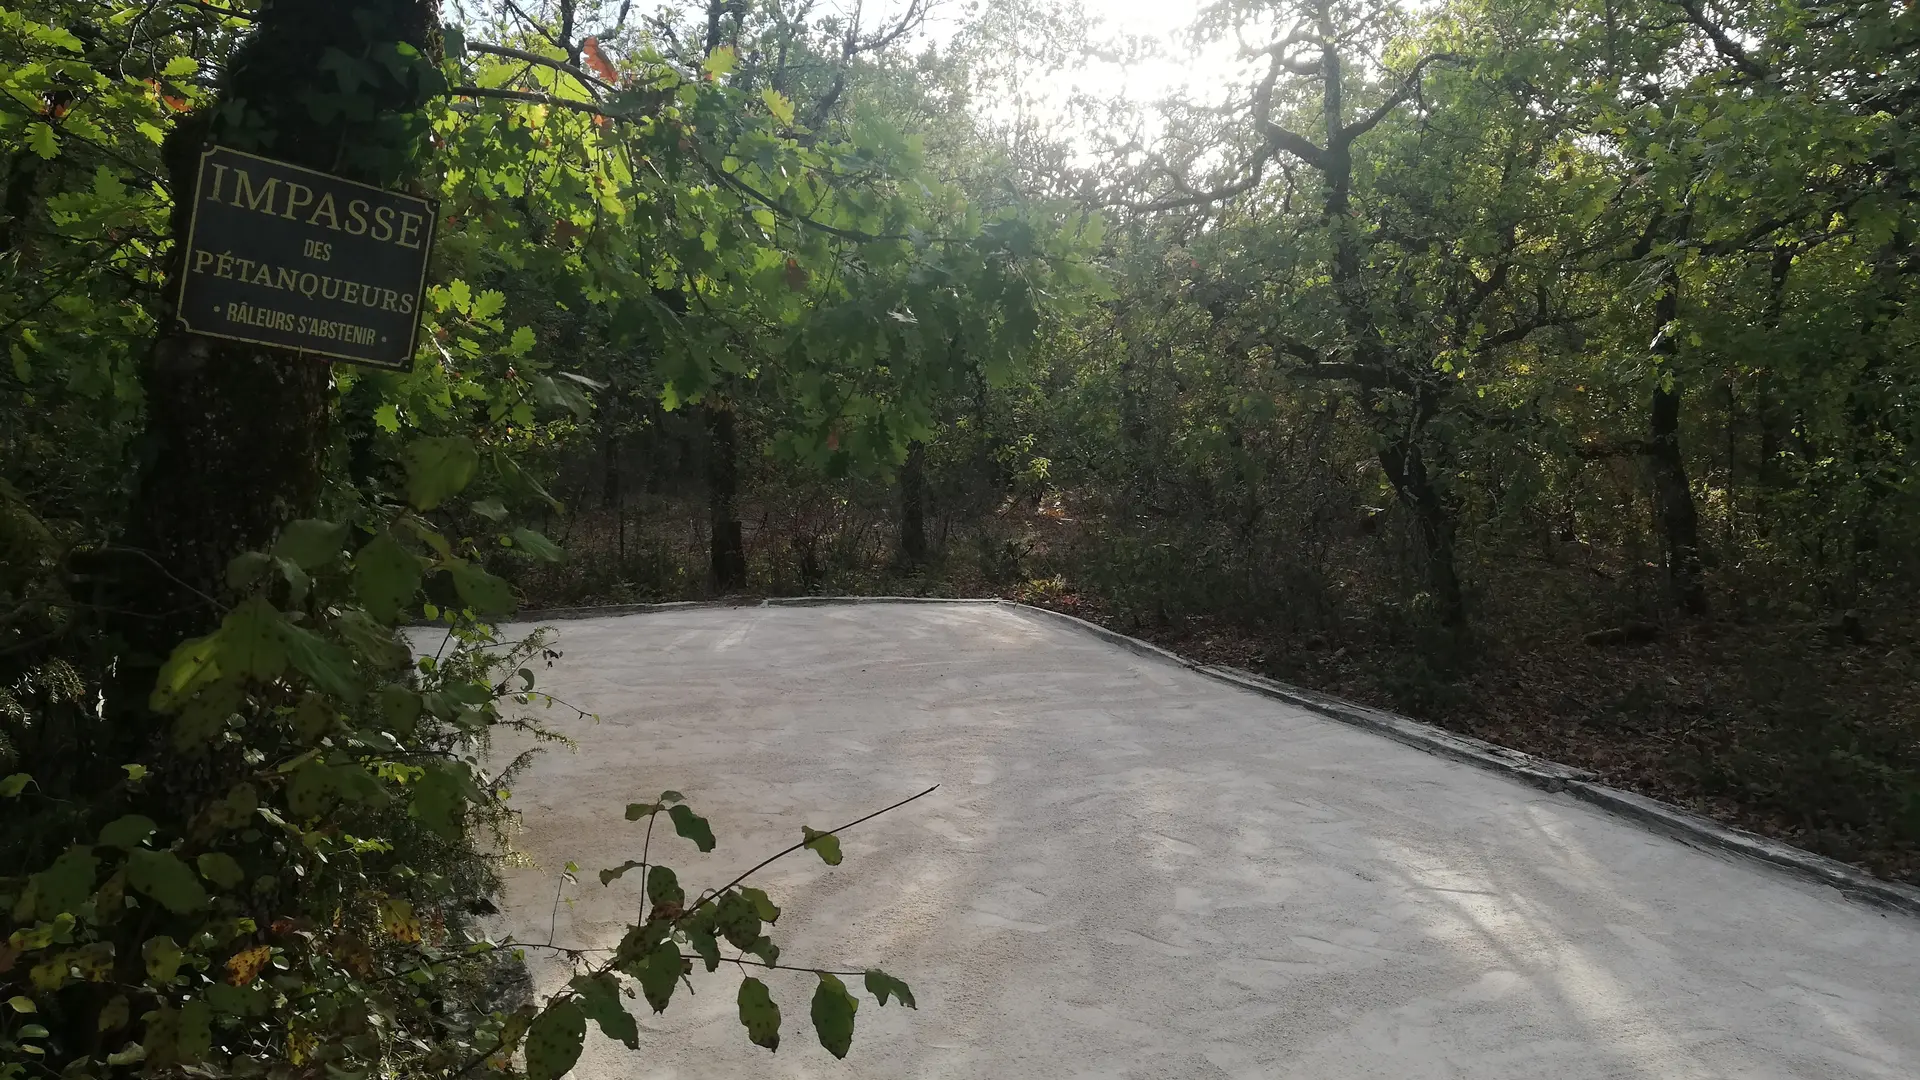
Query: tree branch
x,y
1277,137
784,852
536,58
1723,44
531,97
1408,87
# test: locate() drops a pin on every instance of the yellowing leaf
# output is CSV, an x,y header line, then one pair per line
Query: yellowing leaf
x,y
778,105
720,61
398,920
244,966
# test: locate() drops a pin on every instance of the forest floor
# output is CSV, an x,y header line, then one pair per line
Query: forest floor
x,y
1770,729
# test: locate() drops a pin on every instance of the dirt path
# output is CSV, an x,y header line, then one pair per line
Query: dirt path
x,y
1131,870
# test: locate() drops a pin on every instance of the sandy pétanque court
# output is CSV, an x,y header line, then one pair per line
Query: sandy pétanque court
x,y
1131,870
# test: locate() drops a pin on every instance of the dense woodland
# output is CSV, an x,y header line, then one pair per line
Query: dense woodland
x,y
1543,368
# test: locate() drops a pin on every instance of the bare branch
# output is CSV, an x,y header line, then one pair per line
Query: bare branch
x,y
714,894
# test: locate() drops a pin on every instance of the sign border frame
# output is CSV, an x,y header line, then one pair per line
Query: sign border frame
x,y
193,221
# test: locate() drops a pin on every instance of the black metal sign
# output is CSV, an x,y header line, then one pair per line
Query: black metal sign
x,y
297,259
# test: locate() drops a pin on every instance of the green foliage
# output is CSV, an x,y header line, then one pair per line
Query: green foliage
x,y
554,1040
832,1012
692,826
759,1013
826,845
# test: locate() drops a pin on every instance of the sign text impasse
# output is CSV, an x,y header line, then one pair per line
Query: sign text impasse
x,y
281,255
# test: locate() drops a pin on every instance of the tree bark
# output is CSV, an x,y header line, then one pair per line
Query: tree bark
x,y
236,433
611,494
729,557
913,505
1401,457
1673,496
1406,470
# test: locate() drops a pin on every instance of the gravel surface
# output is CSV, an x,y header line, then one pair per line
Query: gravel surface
x,y
1131,870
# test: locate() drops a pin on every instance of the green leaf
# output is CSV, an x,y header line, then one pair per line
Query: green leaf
x,y
777,105
459,296
762,906
554,1040
600,1001
128,832
825,843
22,1004
180,65
246,568
229,1000
700,935
521,342
880,984
692,826
40,139
615,873
488,304
194,664
182,1035
12,786
438,467
250,641
760,1015
440,798
663,886
401,707
720,61
205,714
638,810
65,884
386,577
163,958
550,391
481,591
833,1010
538,546
491,509
737,920
164,877
221,869
313,718
310,543
659,973
327,664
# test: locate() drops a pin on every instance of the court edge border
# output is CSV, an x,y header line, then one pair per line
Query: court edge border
x,y
1672,821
